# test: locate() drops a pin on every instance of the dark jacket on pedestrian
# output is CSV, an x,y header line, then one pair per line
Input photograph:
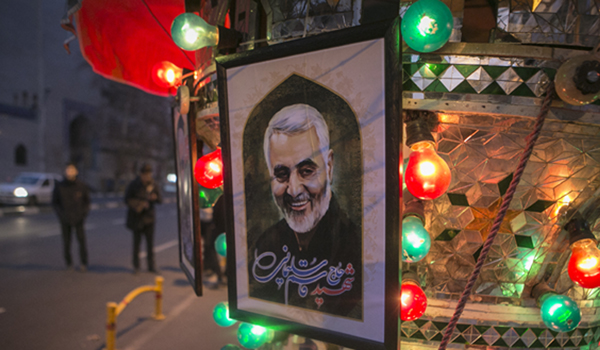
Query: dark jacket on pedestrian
x,y
71,201
138,198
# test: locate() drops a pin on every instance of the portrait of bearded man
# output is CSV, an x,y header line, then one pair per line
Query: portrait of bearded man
x,y
312,257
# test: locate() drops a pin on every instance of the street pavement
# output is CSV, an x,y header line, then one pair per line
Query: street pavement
x,y
45,307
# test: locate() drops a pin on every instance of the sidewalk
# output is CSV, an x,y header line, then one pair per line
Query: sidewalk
x,y
99,201
189,325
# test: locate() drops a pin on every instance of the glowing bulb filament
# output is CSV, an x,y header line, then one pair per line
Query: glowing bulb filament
x,y
427,26
404,299
170,76
190,34
427,168
415,240
258,330
588,263
214,167
562,203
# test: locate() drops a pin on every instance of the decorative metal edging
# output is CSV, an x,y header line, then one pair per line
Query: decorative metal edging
x,y
427,332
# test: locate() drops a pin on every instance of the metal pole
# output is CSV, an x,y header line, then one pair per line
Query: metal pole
x,y
158,315
111,325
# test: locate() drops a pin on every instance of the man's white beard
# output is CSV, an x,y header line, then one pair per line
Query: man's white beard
x,y
302,222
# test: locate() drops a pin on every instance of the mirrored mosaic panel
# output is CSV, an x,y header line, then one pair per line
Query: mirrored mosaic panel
x,y
523,77
482,152
299,18
566,22
425,334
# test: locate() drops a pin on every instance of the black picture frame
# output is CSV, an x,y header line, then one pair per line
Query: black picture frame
x,y
188,220
389,33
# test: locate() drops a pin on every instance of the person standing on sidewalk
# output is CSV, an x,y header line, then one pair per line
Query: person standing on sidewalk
x,y
140,197
71,201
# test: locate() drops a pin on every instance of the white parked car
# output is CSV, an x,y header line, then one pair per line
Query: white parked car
x,y
29,189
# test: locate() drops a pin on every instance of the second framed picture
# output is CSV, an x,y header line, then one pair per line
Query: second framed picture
x,y
311,135
190,258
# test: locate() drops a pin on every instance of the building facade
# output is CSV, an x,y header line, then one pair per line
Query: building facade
x,y
55,109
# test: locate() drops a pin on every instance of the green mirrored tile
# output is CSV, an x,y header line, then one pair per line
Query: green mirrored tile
x,y
504,184
525,73
493,89
436,86
551,73
420,322
539,206
458,199
466,69
495,71
437,68
523,90
412,68
410,85
447,235
524,241
477,253
464,88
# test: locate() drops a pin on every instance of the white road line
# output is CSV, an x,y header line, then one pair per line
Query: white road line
x,y
140,342
161,247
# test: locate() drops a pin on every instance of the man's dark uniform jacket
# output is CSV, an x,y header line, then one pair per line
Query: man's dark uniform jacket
x,y
135,196
337,240
71,201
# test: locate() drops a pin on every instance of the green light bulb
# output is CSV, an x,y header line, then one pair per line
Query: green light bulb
x,y
252,336
221,315
208,196
415,239
190,32
221,245
427,25
560,313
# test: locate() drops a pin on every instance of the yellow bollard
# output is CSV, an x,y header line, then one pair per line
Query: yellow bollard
x,y
158,315
111,325
113,310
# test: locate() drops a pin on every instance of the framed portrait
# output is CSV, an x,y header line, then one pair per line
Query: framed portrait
x,y
311,135
190,257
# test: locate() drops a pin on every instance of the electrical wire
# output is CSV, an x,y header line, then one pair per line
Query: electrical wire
x,y
531,140
166,32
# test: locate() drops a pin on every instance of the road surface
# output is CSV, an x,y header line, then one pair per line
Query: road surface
x,y
45,307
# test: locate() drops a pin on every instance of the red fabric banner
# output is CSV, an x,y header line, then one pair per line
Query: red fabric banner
x,y
123,39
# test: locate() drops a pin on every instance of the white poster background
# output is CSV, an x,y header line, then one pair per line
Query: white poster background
x,y
357,73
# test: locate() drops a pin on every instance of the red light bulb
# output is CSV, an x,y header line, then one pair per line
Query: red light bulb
x,y
209,170
584,265
427,175
166,74
413,301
